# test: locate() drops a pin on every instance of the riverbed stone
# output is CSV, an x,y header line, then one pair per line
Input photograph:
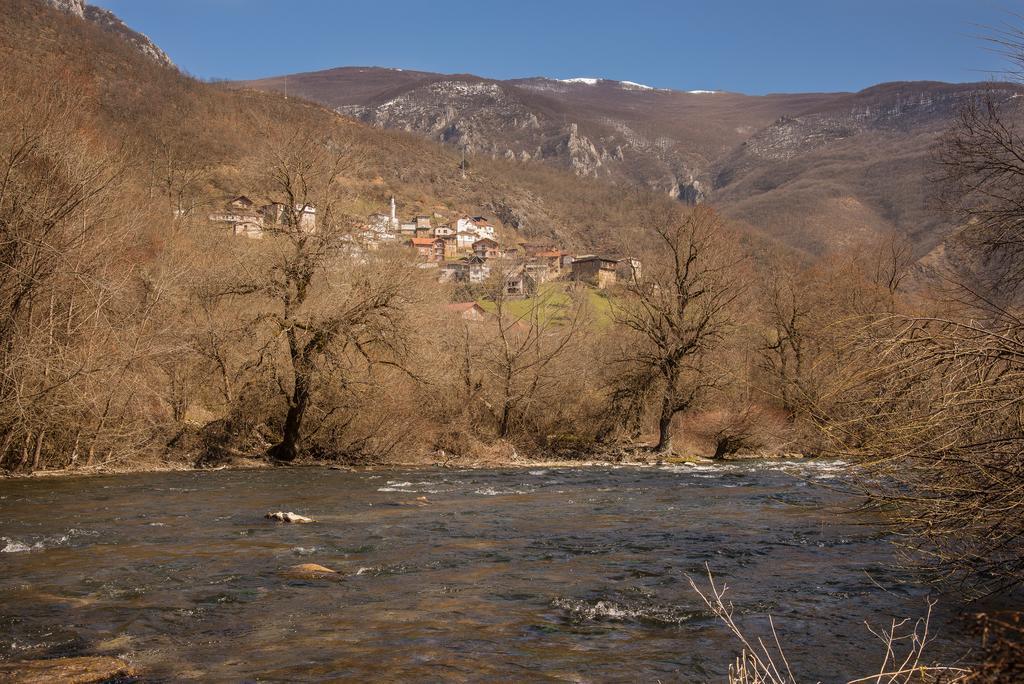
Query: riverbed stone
x,y
80,670
311,571
288,517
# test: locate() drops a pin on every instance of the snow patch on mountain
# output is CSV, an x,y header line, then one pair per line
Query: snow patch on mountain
x,y
625,85
703,92
635,86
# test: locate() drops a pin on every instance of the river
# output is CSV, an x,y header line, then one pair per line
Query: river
x,y
544,574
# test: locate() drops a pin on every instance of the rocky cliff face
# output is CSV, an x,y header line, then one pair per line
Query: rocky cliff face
x,y
894,108
525,121
485,117
73,7
110,22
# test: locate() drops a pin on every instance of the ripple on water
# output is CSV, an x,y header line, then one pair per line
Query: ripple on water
x,y
493,491
40,544
647,611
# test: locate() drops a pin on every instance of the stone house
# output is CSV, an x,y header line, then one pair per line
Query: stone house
x,y
246,228
596,270
486,248
553,258
451,248
428,248
519,283
483,226
539,271
477,268
241,213
465,224
241,203
454,271
464,241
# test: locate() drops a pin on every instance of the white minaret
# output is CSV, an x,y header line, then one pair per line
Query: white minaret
x,y
394,217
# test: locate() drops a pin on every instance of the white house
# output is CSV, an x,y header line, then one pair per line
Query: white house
x,y
483,227
465,240
465,225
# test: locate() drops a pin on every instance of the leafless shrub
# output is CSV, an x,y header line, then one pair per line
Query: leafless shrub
x,y
1002,648
935,414
746,427
79,327
763,661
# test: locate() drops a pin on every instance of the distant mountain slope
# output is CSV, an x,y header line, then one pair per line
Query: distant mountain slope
x,y
816,170
860,164
595,127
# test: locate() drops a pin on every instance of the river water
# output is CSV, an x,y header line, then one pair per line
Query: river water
x,y
501,575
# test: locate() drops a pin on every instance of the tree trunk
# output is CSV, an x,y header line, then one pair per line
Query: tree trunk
x,y
291,438
74,452
665,427
8,439
505,421
38,452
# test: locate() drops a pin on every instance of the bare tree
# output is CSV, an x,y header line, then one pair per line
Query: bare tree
x,y
981,169
680,310
785,350
327,304
178,170
525,341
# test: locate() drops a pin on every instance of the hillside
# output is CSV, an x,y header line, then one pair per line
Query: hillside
x,y
144,104
815,170
111,23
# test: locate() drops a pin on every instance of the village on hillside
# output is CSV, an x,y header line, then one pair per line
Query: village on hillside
x,y
463,249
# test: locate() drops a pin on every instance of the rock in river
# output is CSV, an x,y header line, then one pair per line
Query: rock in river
x,y
83,670
311,571
288,517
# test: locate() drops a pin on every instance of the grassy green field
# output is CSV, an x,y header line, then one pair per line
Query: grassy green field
x,y
556,303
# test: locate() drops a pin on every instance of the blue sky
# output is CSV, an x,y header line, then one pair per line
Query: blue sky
x,y
750,46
